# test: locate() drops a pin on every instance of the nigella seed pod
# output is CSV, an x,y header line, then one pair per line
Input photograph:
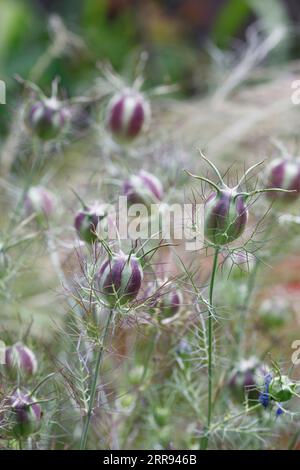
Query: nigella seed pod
x,y
170,303
46,118
91,223
225,216
22,414
281,388
284,173
20,360
143,188
39,201
119,279
128,114
238,264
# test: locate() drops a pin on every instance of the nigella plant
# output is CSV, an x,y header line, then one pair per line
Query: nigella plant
x,y
127,114
19,359
46,118
40,202
225,219
119,279
276,389
116,285
143,188
92,222
22,414
284,173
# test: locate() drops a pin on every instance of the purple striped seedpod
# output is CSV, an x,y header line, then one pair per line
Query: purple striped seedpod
x,y
225,215
46,118
128,114
22,415
284,173
20,360
143,188
170,303
119,279
39,201
92,223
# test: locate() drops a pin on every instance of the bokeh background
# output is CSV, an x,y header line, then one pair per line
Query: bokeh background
x,y
176,33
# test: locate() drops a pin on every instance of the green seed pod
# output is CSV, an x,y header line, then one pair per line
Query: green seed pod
x,y
225,216
161,415
119,279
22,415
46,118
136,374
281,388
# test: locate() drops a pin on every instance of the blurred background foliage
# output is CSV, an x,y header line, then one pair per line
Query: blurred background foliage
x,y
176,33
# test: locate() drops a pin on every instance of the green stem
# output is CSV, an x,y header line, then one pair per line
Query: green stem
x,y
204,440
84,435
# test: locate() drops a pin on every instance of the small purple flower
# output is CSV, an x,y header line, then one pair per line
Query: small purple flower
x,y
143,188
119,279
284,173
89,221
226,216
47,118
20,360
39,201
264,397
22,415
279,410
128,114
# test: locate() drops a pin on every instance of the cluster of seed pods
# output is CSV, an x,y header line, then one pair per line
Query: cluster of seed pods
x,y
22,413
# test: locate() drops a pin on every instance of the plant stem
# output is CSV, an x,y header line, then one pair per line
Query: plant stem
x,y
204,440
84,435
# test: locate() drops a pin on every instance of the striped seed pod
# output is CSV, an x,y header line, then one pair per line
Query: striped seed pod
x,y
22,415
128,115
170,303
226,211
119,279
46,118
39,201
92,223
284,173
20,360
143,188
225,215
